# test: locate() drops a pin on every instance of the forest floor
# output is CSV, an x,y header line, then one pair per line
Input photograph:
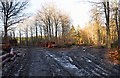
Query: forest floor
x,y
71,62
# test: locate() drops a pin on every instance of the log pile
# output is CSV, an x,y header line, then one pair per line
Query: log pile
x,y
47,44
7,57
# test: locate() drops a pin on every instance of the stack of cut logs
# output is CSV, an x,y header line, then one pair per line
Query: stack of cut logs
x,y
51,44
7,57
47,44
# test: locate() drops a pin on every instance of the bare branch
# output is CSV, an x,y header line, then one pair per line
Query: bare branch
x,y
11,12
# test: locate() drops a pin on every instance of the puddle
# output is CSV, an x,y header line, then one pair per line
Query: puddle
x,y
68,65
89,61
64,62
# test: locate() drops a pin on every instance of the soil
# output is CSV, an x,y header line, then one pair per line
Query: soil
x,y
77,61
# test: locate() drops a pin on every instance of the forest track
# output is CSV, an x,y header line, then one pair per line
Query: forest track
x,y
68,62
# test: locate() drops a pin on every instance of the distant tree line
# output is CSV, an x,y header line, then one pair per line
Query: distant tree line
x,y
51,24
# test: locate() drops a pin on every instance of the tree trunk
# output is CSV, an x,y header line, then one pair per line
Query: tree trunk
x,y
119,28
108,39
20,40
56,32
119,41
49,30
26,36
52,31
5,35
107,14
31,37
40,32
14,34
20,36
63,34
36,32
99,37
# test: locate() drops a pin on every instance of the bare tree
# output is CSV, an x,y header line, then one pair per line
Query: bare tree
x,y
56,19
96,18
116,15
53,22
45,19
26,34
20,35
107,15
31,33
65,26
78,34
36,29
40,30
11,13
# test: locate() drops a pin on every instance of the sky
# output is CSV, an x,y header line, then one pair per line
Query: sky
x,y
78,10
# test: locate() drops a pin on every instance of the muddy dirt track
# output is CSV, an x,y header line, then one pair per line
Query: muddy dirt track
x,y
63,62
